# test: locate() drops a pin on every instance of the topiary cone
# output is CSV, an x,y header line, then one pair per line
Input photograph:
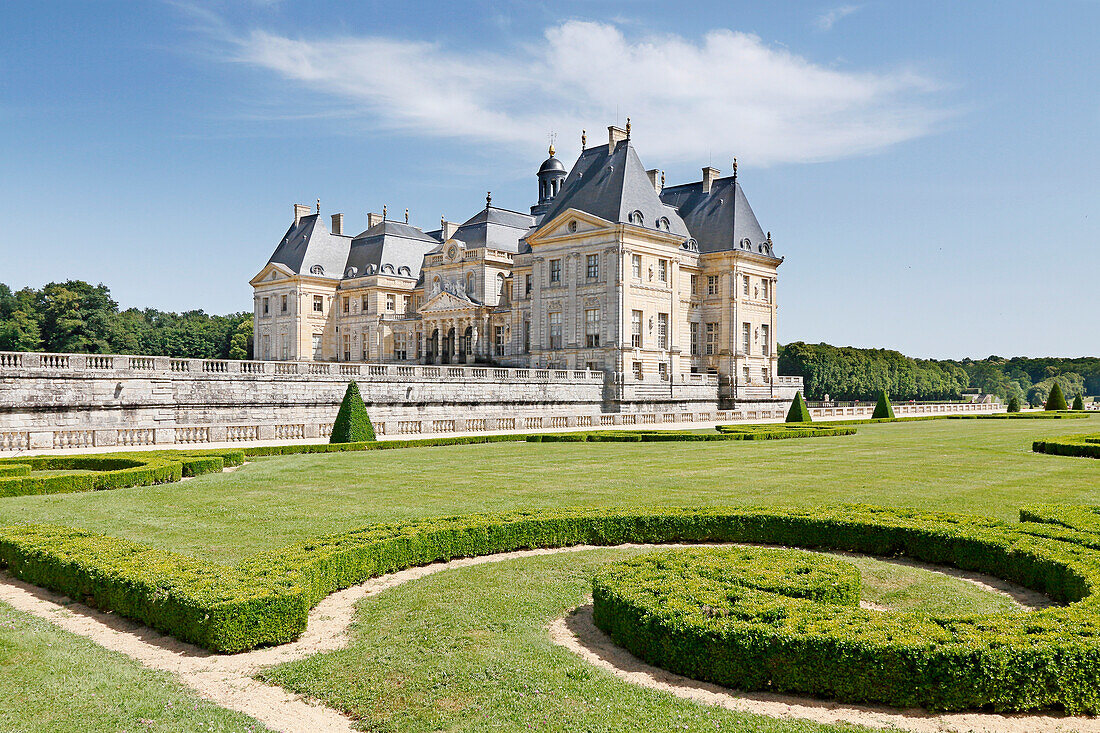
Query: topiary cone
x,y
800,411
1056,400
352,423
1078,403
1014,405
883,409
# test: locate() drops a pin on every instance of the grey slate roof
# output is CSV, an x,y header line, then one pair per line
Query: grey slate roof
x,y
494,228
611,184
386,248
720,220
310,244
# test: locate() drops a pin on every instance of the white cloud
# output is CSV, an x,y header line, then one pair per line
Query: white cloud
x,y
729,93
829,18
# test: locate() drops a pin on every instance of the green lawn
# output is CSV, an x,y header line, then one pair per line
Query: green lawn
x,y
978,466
51,680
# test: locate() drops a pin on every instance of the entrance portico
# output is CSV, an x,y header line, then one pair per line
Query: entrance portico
x,y
454,328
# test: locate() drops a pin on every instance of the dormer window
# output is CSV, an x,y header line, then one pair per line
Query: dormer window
x,y
636,218
316,270
663,224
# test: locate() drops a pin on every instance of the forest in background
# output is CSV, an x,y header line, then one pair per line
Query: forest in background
x,y
77,317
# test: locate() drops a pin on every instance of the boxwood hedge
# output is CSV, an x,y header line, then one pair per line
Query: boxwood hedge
x,y
1080,446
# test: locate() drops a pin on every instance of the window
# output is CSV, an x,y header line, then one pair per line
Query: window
x,y
764,290
317,346
282,305
636,218
526,336
527,285
662,270
694,284
401,346
592,267
662,330
748,375
265,307
498,339
363,304
391,301
694,339
712,339
347,347
347,304
592,327
766,374
663,224
364,340
500,285
712,285
318,304
555,330
745,284
636,266
638,370
594,366
746,338
765,342
284,347
636,329
469,283
662,371
555,272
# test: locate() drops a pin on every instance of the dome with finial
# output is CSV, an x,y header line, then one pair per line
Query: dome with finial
x,y
551,164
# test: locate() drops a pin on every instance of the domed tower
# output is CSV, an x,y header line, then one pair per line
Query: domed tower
x,y
551,174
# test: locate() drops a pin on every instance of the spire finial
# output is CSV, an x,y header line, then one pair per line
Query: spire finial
x,y
488,198
662,179
551,151
627,128
584,139
406,216
442,221
383,212
318,206
735,170
769,237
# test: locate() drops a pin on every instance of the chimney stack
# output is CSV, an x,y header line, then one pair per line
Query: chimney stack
x,y
373,219
710,173
300,210
337,224
615,135
449,229
656,179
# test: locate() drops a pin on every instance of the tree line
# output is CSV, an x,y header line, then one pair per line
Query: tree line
x,y
848,373
77,317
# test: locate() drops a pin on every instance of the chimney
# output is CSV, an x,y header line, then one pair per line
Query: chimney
x,y
710,173
300,210
449,229
337,224
656,179
373,219
615,135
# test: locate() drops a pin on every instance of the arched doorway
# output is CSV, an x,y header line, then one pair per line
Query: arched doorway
x,y
466,345
448,349
432,353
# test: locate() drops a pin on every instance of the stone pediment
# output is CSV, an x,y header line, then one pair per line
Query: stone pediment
x,y
444,302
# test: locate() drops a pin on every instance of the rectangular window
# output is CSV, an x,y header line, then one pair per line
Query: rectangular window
x,y
746,338
555,330
265,309
712,285
400,346
748,375
364,304
765,341
662,330
745,284
527,285
317,346
694,284
592,267
662,270
638,370
282,306
526,336
592,328
391,302
284,346
694,339
318,304
347,347
636,329
555,272
498,339
265,346
594,366
364,341
766,374
346,303
712,339
764,289
636,266
662,371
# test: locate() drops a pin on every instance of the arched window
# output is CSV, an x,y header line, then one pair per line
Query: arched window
x,y
316,270
435,284
663,224
500,284
469,283
636,218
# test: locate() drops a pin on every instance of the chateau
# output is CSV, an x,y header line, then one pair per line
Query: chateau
x,y
611,270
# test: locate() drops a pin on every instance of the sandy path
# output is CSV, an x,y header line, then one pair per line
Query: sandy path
x,y
227,680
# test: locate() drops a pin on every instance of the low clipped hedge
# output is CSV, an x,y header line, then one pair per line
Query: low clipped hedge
x,y
1078,446
14,469
780,432
725,432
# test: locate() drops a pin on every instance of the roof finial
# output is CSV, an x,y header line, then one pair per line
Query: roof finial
x,y
488,198
662,179
383,212
627,128
769,237
406,216
551,151
442,221
735,170
584,139
318,206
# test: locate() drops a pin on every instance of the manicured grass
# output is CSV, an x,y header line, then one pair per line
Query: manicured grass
x,y
55,681
978,466
468,650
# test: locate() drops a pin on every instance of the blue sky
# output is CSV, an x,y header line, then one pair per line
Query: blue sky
x,y
929,170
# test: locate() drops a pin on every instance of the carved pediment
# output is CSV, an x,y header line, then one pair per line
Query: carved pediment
x,y
444,301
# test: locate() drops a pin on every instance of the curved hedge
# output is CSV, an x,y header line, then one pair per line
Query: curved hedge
x,y
14,469
1079,446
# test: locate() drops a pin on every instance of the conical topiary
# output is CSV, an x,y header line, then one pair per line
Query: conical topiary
x,y
1078,403
800,411
352,423
1056,400
1014,404
883,409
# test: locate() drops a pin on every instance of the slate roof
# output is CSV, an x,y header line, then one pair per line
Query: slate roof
x,y
388,246
720,220
612,183
309,244
494,228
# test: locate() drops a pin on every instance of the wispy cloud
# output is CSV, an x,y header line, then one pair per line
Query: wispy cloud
x,y
829,18
729,92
